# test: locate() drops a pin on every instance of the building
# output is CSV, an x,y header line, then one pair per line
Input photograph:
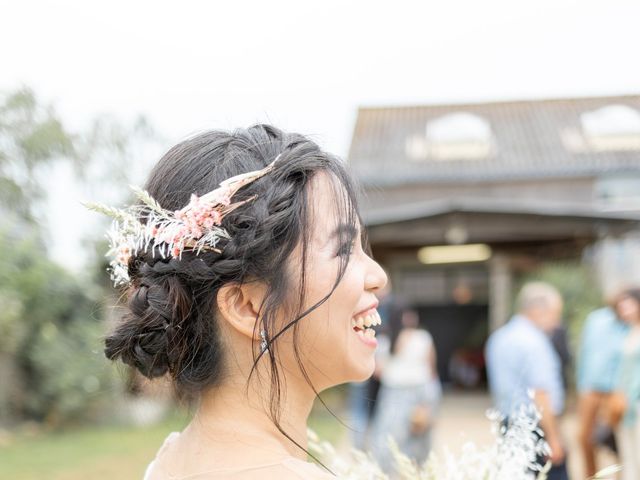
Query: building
x,y
462,199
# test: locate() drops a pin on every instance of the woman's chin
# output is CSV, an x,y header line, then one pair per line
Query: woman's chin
x,y
362,371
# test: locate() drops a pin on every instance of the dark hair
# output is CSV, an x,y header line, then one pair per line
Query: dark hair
x,y
397,325
171,325
632,293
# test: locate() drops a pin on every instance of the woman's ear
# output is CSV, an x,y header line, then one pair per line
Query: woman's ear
x,y
239,305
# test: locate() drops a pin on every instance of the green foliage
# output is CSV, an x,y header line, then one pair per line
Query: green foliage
x,y
51,327
31,135
53,330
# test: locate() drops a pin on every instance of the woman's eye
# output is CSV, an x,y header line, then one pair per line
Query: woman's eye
x,y
346,249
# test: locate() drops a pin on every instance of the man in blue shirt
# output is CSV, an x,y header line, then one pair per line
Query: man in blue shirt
x,y
523,366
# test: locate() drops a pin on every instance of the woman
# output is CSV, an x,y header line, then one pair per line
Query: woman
x,y
598,368
410,391
628,384
253,313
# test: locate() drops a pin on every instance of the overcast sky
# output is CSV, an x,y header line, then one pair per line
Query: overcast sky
x,y
305,65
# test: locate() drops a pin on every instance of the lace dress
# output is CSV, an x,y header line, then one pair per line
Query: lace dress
x,y
287,468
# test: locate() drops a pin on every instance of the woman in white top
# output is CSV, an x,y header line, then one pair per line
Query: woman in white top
x,y
253,321
410,391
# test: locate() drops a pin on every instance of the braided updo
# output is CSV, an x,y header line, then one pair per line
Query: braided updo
x,y
171,326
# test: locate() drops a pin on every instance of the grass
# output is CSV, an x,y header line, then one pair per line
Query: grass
x,y
117,452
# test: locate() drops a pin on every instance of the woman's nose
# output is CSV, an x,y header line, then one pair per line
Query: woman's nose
x,y
376,277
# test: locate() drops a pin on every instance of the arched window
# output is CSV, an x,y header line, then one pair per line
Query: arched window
x,y
454,136
611,128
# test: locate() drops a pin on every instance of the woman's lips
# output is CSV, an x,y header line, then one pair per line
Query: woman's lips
x,y
367,310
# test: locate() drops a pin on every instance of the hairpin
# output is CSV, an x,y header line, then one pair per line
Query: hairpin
x,y
147,225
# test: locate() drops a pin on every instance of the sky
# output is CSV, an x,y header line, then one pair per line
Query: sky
x,y
304,66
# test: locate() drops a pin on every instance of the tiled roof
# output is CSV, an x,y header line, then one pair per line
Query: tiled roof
x,y
433,208
529,141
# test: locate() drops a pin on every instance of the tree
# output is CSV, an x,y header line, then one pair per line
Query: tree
x,y
30,136
51,335
51,323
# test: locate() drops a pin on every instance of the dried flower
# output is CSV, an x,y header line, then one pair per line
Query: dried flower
x,y
148,226
512,456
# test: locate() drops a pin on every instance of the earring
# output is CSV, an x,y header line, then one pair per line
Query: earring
x,y
263,344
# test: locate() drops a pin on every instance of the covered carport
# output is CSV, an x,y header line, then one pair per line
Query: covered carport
x,y
456,261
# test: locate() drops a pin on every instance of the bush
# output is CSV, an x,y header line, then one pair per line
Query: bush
x,y
52,332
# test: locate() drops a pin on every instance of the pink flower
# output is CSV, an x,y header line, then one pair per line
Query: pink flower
x,y
124,254
216,217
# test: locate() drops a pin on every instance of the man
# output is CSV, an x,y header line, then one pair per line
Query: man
x,y
521,359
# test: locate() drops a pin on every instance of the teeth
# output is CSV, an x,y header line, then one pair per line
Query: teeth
x,y
369,332
370,320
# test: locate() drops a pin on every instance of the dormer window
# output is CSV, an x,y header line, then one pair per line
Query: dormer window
x,y
610,128
455,136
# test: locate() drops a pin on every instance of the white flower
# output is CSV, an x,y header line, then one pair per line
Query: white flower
x,y
512,456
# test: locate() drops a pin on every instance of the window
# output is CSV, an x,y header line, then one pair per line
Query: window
x,y
455,136
610,128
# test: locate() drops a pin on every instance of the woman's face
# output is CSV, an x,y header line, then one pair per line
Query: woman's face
x,y
628,309
334,344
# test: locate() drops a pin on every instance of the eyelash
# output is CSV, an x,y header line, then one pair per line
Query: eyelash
x,y
346,248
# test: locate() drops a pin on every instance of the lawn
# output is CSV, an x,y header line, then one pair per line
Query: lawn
x,y
116,452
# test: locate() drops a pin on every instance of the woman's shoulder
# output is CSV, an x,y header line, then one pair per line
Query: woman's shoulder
x,y
287,468
418,336
306,469
151,470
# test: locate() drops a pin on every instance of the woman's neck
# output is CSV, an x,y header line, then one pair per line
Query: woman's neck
x,y
233,413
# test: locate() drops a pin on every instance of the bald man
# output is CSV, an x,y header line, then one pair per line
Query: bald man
x,y
521,359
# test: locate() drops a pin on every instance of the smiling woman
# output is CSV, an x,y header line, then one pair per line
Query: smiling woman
x,y
252,312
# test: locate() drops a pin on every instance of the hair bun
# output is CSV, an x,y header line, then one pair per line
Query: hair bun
x,y
143,342
150,354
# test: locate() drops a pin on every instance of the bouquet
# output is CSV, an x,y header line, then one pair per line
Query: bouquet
x,y
518,444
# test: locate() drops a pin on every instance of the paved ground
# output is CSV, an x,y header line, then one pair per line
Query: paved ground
x,y
463,419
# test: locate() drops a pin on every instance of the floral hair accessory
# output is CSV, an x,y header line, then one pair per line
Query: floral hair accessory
x,y
195,227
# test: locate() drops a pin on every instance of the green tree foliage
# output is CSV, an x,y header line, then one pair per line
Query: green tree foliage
x,y
30,135
51,333
51,322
